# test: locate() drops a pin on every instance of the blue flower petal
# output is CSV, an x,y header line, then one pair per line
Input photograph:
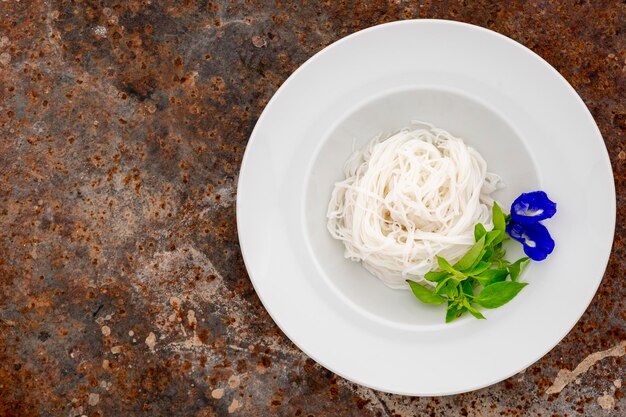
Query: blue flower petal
x,y
536,254
538,243
515,230
532,207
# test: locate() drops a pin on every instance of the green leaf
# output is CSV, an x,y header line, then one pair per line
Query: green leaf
x,y
436,276
471,256
516,268
492,276
503,263
494,237
478,260
479,231
498,253
441,285
468,287
452,289
475,312
443,264
488,254
493,244
455,310
424,294
499,222
447,286
498,294
480,267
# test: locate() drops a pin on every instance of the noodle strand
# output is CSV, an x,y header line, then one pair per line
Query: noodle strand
x,y
408,198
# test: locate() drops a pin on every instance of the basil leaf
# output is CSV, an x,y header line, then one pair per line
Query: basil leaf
x,y
447,286
443,264
475,312
452,289
498,253
494,237
499,222
451,313
479,268
479,231
441,285
498,294
455,310
488,254
516,268
436,276
492,276
424,294
471,256
503,263
479,259
468,287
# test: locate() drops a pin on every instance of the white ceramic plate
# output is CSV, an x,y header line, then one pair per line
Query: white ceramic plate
x,y
524,118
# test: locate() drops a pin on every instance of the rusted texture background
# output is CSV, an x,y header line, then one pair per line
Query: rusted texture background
x,y
122,288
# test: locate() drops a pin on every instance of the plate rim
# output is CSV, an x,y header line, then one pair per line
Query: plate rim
x,y
613,208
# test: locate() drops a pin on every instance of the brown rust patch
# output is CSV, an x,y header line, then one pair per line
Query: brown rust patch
x,y
124,128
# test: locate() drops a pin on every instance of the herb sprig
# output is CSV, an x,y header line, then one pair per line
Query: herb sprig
x,y
479,278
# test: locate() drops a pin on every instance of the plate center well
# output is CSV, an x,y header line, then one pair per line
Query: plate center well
x,y
462,115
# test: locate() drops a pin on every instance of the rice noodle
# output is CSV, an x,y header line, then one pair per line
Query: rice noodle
x,y
408,198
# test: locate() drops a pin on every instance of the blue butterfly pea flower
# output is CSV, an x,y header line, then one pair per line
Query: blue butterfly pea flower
x,y
532,207
538,243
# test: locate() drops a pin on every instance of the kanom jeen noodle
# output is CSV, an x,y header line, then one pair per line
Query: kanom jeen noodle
x,y
409,197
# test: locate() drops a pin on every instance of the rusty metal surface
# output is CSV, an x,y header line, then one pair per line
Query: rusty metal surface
x,y
122,288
